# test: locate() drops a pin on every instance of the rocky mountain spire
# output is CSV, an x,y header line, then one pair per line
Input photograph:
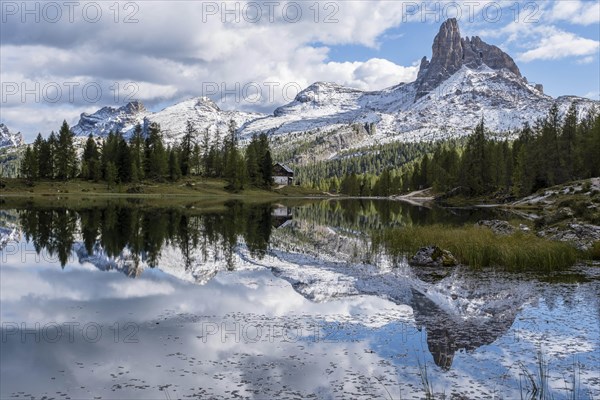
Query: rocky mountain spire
x,y
450,52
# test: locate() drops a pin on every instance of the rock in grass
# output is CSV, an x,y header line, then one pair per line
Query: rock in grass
x,y
433,256
497,226
582,236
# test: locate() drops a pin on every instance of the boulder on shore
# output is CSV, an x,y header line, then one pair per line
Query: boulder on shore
x,y
433,256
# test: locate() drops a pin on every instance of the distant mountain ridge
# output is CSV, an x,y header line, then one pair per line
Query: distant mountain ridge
x,y
465,80
201,111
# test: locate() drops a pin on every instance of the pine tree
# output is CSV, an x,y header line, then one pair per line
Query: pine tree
x,y
196,161
549,148
124,162
217,157
137,154
234,165
90,159
524,171
156,155
568,142
28,165
108,156
174,164
350,185
48,157
39,151
206,156
593,145
252,163
66,158
186,149
267,169
385,183
473,161
111,174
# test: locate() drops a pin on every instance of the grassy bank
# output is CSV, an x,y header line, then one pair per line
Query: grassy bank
x,y
195,192
194,186
480,247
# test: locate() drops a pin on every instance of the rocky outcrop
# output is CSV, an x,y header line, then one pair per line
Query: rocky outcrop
x,y
450,53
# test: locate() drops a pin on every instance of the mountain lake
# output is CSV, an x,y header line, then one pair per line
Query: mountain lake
x,y
284,300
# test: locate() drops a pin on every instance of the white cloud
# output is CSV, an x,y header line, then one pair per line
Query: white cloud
x,y
174,49
558,44
375,73
546,42
585,60
576,12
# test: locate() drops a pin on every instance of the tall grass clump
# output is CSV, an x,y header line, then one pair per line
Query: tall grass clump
x,y
479,247
594,252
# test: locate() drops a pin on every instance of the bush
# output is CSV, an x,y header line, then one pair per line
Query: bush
x,y
586,186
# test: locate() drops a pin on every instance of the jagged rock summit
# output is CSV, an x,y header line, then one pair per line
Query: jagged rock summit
x,y
450,52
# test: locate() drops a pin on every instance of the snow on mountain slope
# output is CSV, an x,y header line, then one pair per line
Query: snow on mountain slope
x,y
8,138
201,111
503,99
107,119
466,79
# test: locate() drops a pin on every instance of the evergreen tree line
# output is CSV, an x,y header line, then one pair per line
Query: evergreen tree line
x,y
144,156
52,158
369,161
551,152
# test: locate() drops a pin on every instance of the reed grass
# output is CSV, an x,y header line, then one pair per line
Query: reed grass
x,y
479,247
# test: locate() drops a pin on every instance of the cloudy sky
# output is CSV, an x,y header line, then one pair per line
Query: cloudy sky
x,y
59,59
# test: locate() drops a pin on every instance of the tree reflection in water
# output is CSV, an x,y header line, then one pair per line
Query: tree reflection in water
x,y
144,231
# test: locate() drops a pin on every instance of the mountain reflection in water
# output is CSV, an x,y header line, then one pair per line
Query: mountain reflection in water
x,y
322,249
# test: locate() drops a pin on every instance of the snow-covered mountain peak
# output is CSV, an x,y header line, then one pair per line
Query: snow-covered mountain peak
x,y
8,138
107,119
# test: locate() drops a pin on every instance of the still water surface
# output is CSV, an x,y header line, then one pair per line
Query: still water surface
x,y
234,300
